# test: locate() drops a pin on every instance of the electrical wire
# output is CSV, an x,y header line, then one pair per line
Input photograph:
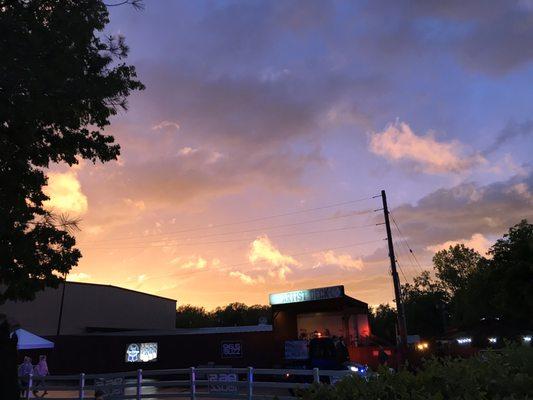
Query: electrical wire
x,y
410,250
167,235
233,240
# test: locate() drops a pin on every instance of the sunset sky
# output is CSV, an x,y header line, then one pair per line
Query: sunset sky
x,y
249,163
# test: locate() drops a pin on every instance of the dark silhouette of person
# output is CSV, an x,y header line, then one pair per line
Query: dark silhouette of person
x,y
9,385
383,358
342,351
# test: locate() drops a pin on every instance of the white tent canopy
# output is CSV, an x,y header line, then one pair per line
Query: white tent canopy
x,y
29,341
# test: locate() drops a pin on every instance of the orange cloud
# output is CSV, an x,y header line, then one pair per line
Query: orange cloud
x,y
262,249
398,142
194,262
65,193
246,279
344,261
477,242
78,277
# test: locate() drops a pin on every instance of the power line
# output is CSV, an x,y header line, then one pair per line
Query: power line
x,y
170,234
236,240
411,252
404,250
401,254
296,212
401,270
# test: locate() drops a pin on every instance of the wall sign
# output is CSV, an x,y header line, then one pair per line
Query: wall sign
x,y
141,352
298,296
231,349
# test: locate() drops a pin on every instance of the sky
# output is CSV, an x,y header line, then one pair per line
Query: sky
x,y
250,163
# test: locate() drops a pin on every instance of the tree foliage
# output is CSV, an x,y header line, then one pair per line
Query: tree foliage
x,y
454,267
425,304
61,79
510,275
233,314
497,375
467,287
382,319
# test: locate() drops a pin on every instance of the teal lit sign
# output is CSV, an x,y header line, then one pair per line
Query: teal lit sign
x,y
299,296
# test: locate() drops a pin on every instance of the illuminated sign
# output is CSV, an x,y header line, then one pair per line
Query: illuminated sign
x,y
465,340
299,296
141,352
231,349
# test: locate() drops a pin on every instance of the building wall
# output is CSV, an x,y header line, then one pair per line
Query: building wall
x,y
102,354
90,305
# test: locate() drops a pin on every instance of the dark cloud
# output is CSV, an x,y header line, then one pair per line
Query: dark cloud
x,y
500,44
466,209
493,37
511,131
248,110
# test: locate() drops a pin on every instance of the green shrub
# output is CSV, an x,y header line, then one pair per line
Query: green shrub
x,y
506,374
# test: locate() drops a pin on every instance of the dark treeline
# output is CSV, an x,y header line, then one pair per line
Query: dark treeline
x,y
465,287
234,314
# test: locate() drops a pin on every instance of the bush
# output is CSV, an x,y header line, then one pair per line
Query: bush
x,y
506,374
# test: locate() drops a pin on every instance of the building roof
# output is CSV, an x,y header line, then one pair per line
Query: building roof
x,y
120,288
191,331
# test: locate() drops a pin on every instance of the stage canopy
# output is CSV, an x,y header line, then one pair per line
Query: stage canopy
x,y
29,341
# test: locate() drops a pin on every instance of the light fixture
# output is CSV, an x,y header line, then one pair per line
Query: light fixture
x,y
465,340
493,340
526,339
422,346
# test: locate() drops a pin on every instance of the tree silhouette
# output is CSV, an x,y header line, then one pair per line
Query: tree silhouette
x,y
61,79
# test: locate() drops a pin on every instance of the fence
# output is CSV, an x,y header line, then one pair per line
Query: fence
x,y
192,383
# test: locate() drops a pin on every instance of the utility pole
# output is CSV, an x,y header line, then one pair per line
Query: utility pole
x,y
402,326
61,307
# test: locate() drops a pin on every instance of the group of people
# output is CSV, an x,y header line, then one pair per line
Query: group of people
x,y
38,372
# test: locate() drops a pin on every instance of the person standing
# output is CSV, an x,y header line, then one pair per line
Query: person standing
x,y
383,358
25,370
343,352
40,372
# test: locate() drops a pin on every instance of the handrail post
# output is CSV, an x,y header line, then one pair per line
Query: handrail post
x,y
139,384
82,386
250,383
30,384
316,375
193,383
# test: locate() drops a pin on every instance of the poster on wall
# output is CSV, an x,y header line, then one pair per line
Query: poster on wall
x,y
141,352
296,350
231,349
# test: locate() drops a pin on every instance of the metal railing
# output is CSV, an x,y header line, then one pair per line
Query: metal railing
x,y
233,383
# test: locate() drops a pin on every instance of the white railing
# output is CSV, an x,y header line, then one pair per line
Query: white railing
x,y
234,383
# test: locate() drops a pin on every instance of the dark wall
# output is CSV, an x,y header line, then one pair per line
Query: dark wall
x,y
100,354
